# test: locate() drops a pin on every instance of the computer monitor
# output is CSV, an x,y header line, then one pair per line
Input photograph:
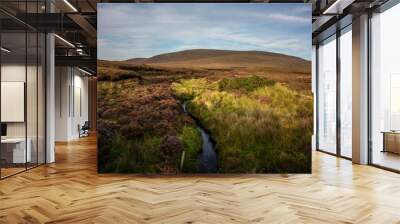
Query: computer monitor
x,y
3,129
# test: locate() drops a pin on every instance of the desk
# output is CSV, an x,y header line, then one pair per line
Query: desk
x,y
391,141
15,148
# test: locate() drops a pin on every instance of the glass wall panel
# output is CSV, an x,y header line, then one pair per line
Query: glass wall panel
x,y
346,92
385,89
14,153
31,97
32,85
327,95
22,88
41,98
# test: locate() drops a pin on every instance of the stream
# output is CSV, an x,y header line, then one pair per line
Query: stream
x,y
208,155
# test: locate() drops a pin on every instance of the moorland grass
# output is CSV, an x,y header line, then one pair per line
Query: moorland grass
x,y
265,128
244,83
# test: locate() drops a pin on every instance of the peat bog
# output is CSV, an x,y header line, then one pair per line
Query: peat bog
x,y
257,119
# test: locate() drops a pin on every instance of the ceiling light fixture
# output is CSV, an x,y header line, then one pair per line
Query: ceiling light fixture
x,y
337,7
79,51
86,72
5,50
64,40
334,5
70,5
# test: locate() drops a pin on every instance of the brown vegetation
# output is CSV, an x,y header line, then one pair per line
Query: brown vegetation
x,y
143,129
208,58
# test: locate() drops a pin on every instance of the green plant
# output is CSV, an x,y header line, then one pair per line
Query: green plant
x,y
244,83
131,155
192,142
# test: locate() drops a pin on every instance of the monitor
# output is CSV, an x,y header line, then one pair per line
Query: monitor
x,y
3,129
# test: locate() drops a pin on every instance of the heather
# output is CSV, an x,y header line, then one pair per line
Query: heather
x,y
139,128
258,121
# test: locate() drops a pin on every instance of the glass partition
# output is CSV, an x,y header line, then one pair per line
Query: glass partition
x,y
31,99
41,97
22,88
14,153
346,92
385,89
327,95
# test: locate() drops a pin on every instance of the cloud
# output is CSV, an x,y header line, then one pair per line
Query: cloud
x,y
289,18
144,30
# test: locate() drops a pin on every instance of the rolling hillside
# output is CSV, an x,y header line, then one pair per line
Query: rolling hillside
x,y
207,58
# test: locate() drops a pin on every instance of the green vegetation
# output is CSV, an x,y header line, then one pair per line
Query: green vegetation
x,y
132,155
267,128
246,83
192,87
192,142
259,124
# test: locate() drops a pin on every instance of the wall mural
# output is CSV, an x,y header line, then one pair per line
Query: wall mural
x,y
204,88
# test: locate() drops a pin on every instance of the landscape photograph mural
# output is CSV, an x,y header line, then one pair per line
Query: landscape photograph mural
x,y
204,88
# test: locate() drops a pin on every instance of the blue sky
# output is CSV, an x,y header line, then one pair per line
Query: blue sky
x,y
128,30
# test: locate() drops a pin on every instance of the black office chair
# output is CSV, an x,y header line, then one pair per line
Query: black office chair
x,y
84,130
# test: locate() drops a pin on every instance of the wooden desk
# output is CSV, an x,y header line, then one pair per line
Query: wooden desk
x,y
13,150
391,141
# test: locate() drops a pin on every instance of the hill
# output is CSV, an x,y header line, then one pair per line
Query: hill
x,y
208,58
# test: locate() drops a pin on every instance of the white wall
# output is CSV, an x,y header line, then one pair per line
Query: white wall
x,y
33,127
62,81
71,94
16,73
80,110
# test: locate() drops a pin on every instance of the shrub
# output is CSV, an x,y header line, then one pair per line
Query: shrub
x,y
127,155
171,149
192,142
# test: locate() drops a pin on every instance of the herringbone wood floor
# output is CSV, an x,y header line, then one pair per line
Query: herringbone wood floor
x,y
70,191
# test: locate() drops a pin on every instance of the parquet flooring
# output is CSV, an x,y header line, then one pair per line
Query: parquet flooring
x,y
11,170
71,191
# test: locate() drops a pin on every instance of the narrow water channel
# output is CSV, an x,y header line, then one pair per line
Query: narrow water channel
x,y
208,156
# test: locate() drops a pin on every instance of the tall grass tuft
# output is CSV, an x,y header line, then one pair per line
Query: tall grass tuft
x,y
244,83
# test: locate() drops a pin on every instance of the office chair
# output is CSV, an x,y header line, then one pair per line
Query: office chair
x,y
84,130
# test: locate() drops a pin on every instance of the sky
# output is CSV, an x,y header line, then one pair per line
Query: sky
x,y
127,30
